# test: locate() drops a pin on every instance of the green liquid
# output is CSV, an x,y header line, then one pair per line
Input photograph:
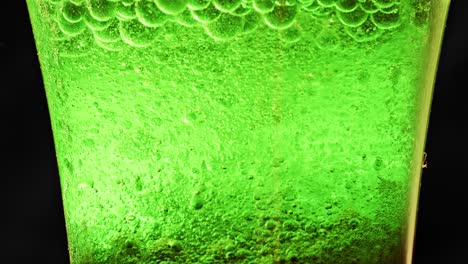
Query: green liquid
x,y
229,131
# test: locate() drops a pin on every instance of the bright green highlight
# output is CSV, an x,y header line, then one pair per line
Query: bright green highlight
x,y
234,131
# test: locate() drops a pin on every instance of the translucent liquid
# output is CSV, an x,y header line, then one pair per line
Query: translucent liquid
x,y
234,131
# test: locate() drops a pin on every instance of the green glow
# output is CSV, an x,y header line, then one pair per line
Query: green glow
x,y
240,131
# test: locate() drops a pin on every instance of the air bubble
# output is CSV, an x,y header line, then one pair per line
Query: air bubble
x,y
386,21
110,46
384,3
109,34
327,40
186,19
206,15
71,12
281,17
225,27
94,24
68,28
291,35
75,47
241,11
227,5
365,32
311,7
171,7
136,34
346,5
251,22
263,6
326,3
101,10
125,12
353,19
369,6
198,4
149,14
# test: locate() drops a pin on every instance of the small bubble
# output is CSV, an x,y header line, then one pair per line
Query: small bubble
x,y
197,202
125,12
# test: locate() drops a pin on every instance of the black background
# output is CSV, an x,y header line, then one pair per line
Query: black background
x,y
34,231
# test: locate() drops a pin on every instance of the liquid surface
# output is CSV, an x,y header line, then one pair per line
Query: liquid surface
x,y
233,131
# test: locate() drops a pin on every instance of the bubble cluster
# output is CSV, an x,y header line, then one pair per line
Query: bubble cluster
x,y
363,20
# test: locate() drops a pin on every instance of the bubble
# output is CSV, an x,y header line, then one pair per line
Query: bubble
x,y
136,34
227,5
271,224
76,2
198,4
125,12
171,7
225,27
290,225
110,46
241,11
326,3
186,19
68,28
365,32
101,10
75,47
346,5
206,15
322,12
327,40
311,7
251,22
369,6
72,12
94,24
110,33
196,202
353,19
149,14
384,3
386,21
281,17
378,163
263,6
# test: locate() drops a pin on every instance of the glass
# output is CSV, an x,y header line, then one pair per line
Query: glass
x,y
245,131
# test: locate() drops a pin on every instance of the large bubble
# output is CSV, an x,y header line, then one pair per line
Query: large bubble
x,y
386,20
72,12
369,6
110,33
368,31
346,5
68,28
198,4
125,12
